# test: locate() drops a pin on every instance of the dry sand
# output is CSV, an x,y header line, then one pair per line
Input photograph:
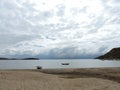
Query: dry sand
x,y
62,79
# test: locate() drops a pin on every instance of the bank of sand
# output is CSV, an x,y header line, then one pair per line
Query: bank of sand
x,y
61,79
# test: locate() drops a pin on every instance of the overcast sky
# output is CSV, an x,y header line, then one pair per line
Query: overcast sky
x,y
59,28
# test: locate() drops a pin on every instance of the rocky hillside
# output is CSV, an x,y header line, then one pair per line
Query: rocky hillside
x,y
112,54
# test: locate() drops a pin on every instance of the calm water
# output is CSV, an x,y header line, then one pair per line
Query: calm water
x,y
73,63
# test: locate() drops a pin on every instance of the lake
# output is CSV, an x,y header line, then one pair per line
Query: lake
x,y
57,63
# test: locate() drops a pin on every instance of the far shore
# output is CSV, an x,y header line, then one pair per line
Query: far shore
x,y
61,79
19,58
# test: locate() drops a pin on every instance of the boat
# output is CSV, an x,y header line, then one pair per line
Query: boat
x,y
39,67
65,63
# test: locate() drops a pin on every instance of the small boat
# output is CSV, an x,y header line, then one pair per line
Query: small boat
x,y
39,67
65,63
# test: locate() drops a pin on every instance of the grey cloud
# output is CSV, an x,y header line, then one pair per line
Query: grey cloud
x,y
96,24
16,17
9,40
10,18
42,16
77,10
113,7
61,10
67,52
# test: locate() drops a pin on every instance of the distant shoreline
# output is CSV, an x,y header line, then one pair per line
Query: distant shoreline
x,y
19,58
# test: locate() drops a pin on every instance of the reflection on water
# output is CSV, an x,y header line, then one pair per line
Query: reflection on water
x,y
57,63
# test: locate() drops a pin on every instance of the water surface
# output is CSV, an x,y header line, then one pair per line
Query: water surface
x,y
56,63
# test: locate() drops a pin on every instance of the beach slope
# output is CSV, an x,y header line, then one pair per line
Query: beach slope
x,y
60,79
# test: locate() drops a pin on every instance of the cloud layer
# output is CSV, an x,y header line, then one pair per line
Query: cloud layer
x,y
59,28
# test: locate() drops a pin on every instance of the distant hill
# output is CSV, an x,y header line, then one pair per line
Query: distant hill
x,y
1,58
30,58
112,54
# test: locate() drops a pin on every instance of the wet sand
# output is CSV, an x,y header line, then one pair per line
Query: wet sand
x,y
61,79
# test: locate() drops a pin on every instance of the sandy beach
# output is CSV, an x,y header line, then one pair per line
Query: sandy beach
x,y
61,79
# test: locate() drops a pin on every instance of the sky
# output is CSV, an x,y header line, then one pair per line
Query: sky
x,y
58,28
